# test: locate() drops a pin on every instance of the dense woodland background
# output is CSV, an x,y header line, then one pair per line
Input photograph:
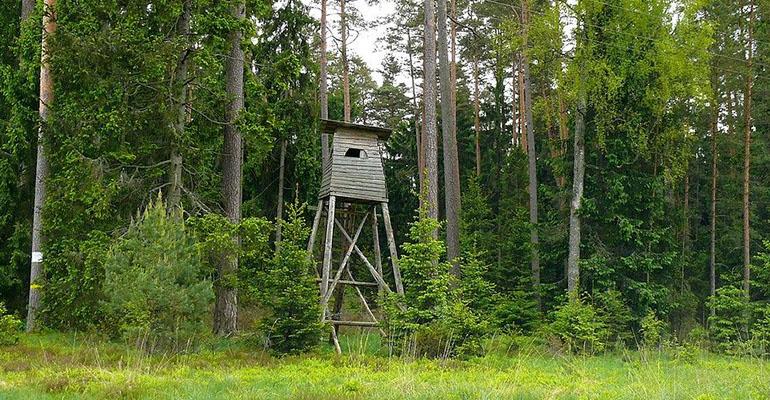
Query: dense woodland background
x,y
664,106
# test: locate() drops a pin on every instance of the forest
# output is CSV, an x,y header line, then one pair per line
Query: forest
x,y
559,199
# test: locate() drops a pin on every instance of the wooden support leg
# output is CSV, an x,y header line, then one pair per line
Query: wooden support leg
x,y
376,237
327,249
392,247
344,263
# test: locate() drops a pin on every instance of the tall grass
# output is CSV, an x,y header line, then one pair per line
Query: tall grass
x,y
57,366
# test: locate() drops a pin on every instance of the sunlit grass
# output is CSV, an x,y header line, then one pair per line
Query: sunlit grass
x,y
55,366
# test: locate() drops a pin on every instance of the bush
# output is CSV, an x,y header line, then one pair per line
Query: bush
x,y
10,326
652,330
431,319
579,327
727,327
156,295
290,292
616,316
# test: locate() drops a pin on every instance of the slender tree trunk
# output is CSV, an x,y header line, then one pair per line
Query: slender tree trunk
x,y
451,168
345,64
180,98
578,176
41,168
685,228
476,113
713,219
226,308
532,157
323,91
514,107
279,207
747,156
430,142
420,162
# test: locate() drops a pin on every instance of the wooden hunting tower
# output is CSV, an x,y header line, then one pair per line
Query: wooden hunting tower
x,y
353,175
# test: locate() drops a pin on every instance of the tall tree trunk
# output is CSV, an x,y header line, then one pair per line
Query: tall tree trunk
x,y
345,64
323,91
747,156
451,168
578,176
532,158
226,308
476,113
453,66
430,136
713,219
279,207
418,139
522,112
41,168
27,7
180,98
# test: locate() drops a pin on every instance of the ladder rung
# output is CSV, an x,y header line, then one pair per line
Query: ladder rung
x,y
353,323
354,283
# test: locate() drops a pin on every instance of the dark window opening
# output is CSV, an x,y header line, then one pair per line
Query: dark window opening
x,y
355,153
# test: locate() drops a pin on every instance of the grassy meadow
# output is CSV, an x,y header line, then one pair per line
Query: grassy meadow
x,y
57,366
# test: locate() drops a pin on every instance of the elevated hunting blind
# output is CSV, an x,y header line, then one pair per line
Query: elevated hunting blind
x,y
352,188
355,171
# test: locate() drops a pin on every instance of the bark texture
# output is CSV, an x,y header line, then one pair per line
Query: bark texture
x,y
713,217
532,158
180,98
323,89
451,168
226,307
747,156
578,176
27,7
279,208
430,136
345,64
41,167
477,114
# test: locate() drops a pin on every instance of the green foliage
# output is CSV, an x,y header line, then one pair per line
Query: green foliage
x,y
580,328
289,291
431,318
10,327
616,315
249,240
652,330
156,294
727,327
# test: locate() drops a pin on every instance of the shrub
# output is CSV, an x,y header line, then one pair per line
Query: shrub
x,y
431,319
579,327
616,316
290,293
652,330
10,326
727,326
156,295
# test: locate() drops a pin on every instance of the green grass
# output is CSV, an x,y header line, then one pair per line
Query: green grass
x,y
56,366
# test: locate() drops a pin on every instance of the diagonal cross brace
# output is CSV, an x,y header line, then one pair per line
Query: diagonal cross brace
x,y
344,263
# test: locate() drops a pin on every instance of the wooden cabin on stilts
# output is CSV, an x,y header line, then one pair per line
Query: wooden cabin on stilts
x,y
353,175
